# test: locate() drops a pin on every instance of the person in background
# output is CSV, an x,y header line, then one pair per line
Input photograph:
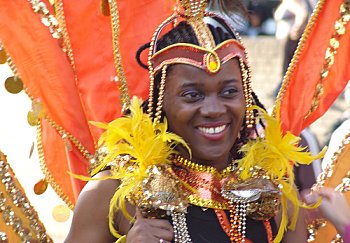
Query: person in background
x,y
306,175
291,17
261,20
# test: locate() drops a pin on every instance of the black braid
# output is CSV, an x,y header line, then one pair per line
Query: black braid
x,y
182,33
218,34
258,103
138,55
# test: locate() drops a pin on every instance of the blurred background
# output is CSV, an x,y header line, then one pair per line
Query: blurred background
x,y
272,31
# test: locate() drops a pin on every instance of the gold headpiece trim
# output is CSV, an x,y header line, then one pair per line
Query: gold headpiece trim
x,y
194,11
200,57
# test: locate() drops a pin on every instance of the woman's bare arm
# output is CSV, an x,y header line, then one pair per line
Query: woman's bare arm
x,y
300,232
90,220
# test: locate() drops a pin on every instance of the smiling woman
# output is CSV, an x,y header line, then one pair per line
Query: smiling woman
x,y
176,161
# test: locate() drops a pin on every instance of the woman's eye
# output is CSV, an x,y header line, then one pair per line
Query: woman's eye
x,y
191,95
229,92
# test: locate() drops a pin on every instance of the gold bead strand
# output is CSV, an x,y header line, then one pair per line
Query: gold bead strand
x,y
151,51
124,91
160,95
150,96
151,78
250,97
247,94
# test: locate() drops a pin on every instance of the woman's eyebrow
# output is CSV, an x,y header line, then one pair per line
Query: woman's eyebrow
x,y
229,81
189,84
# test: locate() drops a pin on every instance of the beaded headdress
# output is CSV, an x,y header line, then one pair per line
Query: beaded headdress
x,y
207,55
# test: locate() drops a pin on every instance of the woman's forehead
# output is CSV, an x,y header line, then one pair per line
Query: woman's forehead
x,y
230,68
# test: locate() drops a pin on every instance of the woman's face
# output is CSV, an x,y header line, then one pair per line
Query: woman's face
x,y
206,110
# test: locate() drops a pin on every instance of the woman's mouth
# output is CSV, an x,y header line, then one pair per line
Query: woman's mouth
x,y
212,130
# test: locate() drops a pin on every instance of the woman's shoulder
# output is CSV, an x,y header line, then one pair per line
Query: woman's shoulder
x,y
92,210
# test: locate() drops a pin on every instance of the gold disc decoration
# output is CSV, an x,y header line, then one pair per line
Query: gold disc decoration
x,y
32,118
40,187
104,8
61,213
13,85
3,56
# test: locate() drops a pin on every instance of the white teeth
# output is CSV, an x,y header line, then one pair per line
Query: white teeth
x,y
212,130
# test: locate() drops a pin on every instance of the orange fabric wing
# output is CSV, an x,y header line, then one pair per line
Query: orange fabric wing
x,y
320,68
78,84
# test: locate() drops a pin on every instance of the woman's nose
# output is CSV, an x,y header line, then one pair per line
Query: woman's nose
x,y
212,107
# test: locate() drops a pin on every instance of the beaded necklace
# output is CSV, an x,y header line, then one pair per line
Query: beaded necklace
x,y
207,182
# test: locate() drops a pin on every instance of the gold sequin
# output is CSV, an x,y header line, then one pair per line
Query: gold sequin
x,y
13,85
32,118
334,43
340,28
104,8
324,74
61,213
3,55
330,60
319,89
40,187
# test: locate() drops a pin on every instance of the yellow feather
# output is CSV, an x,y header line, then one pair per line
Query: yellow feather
x,y
146,142
276,153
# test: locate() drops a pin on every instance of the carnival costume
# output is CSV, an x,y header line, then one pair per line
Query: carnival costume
x,y
139,149
249,189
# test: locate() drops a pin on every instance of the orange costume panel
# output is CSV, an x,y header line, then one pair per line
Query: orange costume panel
x,y
320,69
336,175
77,77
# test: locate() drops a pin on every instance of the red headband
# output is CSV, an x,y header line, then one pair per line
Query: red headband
x,y
209,60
